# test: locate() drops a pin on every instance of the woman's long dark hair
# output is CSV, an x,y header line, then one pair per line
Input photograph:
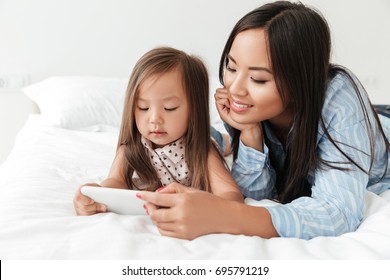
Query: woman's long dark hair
x,y
299,46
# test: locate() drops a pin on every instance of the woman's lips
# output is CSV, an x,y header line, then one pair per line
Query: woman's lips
x,y
239,107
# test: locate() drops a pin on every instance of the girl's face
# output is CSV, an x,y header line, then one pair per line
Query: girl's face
x,y
250,83
161,108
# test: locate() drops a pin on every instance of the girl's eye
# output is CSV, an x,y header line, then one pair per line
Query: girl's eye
x,y
142,108
171,109
258,81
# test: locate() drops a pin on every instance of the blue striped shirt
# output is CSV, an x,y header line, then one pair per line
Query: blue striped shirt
x,y
337,201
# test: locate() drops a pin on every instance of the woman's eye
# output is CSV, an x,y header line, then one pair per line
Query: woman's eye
x,y
171,109
230,69
259,81
142,108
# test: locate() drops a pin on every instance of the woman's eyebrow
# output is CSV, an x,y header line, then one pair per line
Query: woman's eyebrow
x,y
257,68
232,59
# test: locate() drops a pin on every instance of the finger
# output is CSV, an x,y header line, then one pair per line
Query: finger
x,y
170,230
172,227
161,215
91,209
173,188
154,198
82,212
222,103
158,199
101,208
79,198
168,233
149,207
221,91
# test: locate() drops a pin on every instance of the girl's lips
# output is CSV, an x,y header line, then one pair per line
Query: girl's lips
x,y
158,133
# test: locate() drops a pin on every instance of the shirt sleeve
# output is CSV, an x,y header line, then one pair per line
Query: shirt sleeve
x,y
253,174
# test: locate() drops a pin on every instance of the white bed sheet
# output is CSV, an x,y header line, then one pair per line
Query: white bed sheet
x,y
37,220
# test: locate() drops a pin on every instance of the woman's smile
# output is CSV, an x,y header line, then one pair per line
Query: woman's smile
x,y
239,107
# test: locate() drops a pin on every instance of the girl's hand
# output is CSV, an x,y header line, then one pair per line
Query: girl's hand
x,y
84,205
186,213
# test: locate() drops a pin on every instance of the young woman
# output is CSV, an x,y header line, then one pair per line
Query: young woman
x,y
165,132
303,133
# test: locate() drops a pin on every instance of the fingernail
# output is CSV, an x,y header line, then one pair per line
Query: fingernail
x,y
160,189
138,195
144,206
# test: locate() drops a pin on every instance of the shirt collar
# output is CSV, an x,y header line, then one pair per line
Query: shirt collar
x,y
174,151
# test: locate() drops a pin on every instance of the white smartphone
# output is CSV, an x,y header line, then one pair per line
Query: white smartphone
x,y
119,201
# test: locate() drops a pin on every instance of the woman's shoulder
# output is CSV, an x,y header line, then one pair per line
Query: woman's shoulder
x,y
343,99
342,86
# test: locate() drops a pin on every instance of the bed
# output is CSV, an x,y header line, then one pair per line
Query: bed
x,y
72,141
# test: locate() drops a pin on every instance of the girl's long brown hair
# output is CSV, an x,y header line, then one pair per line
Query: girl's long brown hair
x,y
299,45
197,139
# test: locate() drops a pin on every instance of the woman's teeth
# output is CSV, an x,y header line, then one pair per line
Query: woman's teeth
x,y
241,105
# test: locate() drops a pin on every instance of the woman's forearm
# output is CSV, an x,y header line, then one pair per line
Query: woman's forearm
x,y
239,218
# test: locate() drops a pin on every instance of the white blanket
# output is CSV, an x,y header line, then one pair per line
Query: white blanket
x,y
37,219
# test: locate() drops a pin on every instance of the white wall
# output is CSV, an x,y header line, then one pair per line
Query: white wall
x,y
51,37
42,38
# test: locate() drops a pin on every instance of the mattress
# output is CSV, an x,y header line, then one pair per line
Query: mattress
x,y
37,219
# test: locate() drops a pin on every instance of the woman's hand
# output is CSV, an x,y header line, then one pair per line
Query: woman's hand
x,y
251,133
84,205
223,106
186,213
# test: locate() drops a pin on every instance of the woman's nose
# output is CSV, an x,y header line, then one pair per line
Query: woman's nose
x,y
237,86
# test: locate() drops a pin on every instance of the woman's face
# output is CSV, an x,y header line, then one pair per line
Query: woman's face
x,y
250,83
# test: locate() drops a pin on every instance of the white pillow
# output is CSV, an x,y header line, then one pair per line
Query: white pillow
x,y
76,102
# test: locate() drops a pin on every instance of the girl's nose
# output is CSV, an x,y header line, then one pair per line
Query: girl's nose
x,y
156,117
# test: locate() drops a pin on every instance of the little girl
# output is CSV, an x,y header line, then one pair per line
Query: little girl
x,y
165,132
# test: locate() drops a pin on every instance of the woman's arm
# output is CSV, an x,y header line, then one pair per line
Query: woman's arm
x,y
187,213
253,173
